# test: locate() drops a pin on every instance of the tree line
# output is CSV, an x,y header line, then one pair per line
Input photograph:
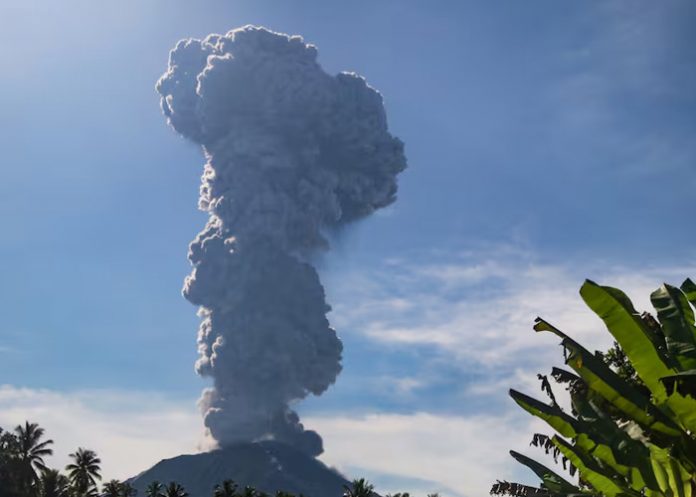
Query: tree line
x,y
24,473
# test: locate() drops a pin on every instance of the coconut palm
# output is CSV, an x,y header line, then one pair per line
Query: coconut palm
x,y
112,489
84,472
154,489
53,484
175,490
359,488
250,492
30,451
128,490
228,488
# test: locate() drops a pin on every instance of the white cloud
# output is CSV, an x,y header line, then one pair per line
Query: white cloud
x,y
476,311
400,386
480,310
460,456
130,431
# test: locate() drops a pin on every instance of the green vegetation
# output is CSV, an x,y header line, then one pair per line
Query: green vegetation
x,y
359,488
23,471
630,430
83,472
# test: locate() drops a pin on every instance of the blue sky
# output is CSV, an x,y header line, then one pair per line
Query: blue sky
x,y
547,142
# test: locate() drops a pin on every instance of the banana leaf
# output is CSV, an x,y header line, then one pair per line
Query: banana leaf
x,y
677,320
649,361
553,415
613,447
550,479
684,409
673,479
601,379
598,438
689,289
599,478
684,383
624,323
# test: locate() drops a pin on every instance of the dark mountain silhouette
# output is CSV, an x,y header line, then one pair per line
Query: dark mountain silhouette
x,y
269,466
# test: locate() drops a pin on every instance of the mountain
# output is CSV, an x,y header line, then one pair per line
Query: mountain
x,y
269,466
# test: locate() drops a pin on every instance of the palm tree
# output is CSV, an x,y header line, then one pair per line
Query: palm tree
x,y
249,492
359,488
91,492
53,484
112,489
154,489
84,472
175,490
30,452
128,490
227,489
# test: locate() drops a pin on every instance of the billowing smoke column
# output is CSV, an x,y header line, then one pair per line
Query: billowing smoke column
x,y
290,152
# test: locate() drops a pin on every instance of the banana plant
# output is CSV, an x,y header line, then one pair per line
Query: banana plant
x,y
625,437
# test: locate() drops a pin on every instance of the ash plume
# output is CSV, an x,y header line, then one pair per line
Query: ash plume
x,y
291,151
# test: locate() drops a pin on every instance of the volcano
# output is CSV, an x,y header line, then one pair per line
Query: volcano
x,y
268,466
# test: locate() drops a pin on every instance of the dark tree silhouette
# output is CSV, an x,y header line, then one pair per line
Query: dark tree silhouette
x,y
154,489
228,488
128,490
112,489
175,490
53,484
30,451
359,488
84,472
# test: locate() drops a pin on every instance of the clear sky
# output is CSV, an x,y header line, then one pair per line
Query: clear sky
x,y
547,142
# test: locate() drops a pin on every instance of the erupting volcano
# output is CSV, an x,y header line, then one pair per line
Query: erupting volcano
x,y
291,152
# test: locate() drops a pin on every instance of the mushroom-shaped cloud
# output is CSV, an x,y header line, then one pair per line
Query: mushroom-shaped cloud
x,y
291,151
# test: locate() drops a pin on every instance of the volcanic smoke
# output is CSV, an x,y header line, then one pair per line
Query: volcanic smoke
x,y
291,151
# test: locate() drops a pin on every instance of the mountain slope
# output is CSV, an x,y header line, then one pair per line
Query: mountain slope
x,y
268,466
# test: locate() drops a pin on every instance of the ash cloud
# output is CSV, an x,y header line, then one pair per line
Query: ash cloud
x,y
291,151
